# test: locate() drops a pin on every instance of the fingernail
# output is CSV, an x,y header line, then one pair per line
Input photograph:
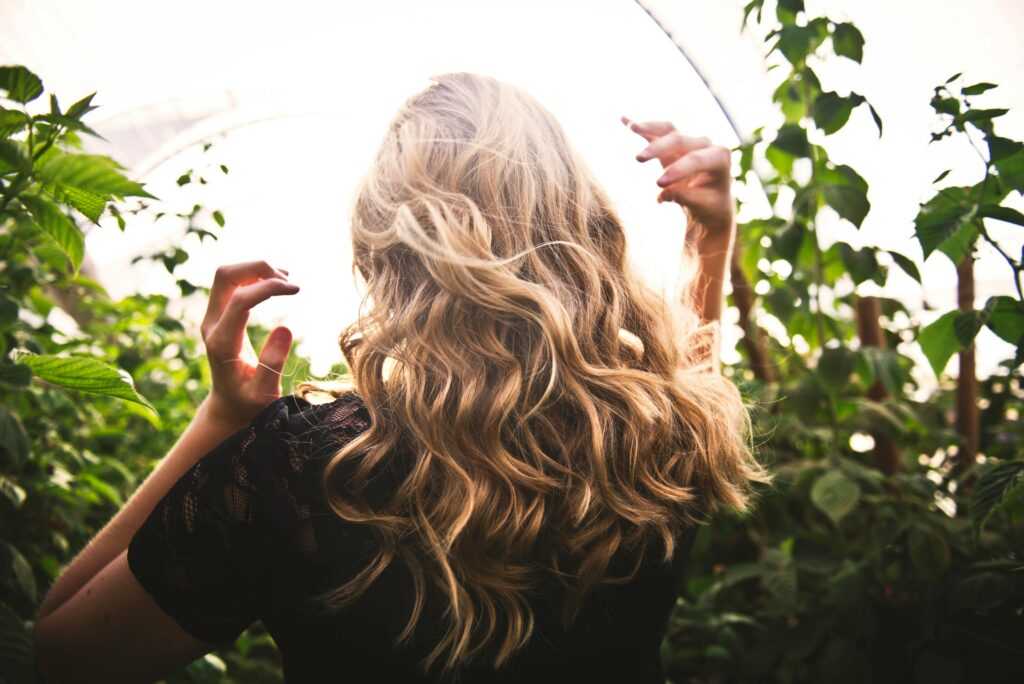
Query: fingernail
x,y
663,181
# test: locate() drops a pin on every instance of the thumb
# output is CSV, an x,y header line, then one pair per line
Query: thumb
x,y
272,357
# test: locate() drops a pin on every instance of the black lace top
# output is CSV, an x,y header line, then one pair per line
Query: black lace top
x,y
246,534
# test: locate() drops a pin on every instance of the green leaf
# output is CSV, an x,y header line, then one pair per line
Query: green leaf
x,y
835,495
939,341
847,41
876,118
797,42
82,107
1001,213
20,83
13,437
941,218
954,77
977,88
219,218
1008,157
832,111
1006,318
958,245
90,172
994,483
59,227
786,243
941,176
13,157
792,139
929,552
69,123
11,121
846,192
84,374
750,7
861,263
966,326
12,491
88,203
16,573
906,265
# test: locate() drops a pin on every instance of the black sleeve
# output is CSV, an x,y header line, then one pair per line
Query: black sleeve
x,y
203,554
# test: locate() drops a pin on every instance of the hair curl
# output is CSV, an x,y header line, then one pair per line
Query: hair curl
x,y
555,409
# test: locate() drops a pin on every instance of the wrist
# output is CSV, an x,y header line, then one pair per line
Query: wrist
x,y
215,411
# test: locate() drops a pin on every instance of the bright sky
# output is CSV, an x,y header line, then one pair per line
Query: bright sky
x,y
297,96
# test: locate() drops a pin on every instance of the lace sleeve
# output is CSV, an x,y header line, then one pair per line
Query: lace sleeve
x,y
202,554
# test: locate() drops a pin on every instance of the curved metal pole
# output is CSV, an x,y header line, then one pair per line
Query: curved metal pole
x,y
696,68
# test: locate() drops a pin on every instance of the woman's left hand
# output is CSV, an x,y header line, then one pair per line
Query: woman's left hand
x,y
241,389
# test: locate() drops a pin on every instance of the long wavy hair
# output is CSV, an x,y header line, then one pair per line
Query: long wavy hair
x,y
555,410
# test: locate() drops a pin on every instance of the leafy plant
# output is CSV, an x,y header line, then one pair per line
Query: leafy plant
x,y
886,551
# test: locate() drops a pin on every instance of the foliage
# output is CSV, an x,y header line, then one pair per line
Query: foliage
x,y
877,555
92,391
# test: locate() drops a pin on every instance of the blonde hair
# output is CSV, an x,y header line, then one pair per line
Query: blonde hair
x,y
555,410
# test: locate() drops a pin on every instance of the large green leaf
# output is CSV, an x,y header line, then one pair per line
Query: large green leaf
x,y
977,88
90,172
939,341
1006,318
54,223
832,111
835,495
11,121
1008,157
20,83
84,374
847,41
846,192
89,203
945,223
862,264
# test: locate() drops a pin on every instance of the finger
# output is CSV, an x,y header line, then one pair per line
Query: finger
x,y
649,130
229,277
226,339
711,160
271,361
672,146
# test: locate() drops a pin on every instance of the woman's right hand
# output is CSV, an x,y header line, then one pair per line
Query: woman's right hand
x,y
697,175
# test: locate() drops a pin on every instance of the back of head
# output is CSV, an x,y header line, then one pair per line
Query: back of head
x,y
556,411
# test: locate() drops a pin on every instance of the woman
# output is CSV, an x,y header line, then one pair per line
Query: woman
x,y
507,488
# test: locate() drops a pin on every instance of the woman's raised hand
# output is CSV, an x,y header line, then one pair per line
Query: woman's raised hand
x,y
243,383
697,174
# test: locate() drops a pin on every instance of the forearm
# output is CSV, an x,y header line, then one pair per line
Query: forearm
x,y
713,249
204,433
